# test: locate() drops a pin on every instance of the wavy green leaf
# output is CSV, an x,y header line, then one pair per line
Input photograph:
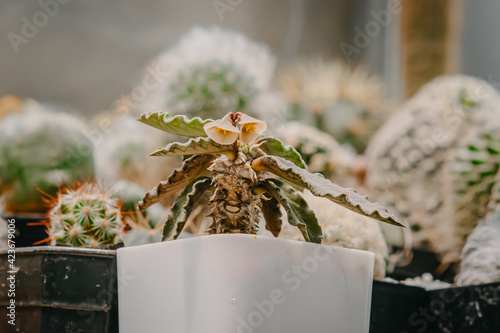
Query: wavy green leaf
x,y
178,124
183,206
273,146
193,146
322,187
298,212
192,168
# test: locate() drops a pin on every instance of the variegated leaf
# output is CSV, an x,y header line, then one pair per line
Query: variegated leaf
x,y
273,146
322,187
178,124
183,206
193,146
272,214
192,168
298,212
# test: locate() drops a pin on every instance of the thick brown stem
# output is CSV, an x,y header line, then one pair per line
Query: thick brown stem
x,y
235,209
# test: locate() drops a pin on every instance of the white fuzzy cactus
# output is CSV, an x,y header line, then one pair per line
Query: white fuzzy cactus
x,y
210,72
481,254
345,102
472,183
413,157
85,216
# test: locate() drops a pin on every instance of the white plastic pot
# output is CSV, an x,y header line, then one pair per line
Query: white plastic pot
x,y
243,284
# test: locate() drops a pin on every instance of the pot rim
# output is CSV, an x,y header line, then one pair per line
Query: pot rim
x,y
81,251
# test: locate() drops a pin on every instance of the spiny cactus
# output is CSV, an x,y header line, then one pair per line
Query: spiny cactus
x,y
39,146
210,72
211,89
411,157
86,216
481,254
473,173
246,175
141,232
347,103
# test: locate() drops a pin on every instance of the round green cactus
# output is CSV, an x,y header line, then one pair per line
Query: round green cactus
x,y
85,216
211,90
211,72
44,148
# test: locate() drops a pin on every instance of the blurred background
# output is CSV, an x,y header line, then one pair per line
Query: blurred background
x,y
91,52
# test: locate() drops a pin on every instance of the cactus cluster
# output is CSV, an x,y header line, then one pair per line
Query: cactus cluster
x,y
211,72
85,215
348,103
414,156
481,254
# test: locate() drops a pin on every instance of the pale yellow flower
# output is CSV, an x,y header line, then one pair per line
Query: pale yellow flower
x,y
251,128
222,131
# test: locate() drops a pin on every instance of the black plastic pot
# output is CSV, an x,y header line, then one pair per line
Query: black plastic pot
x,y
395,307
61,290
424,261
471,309
27,235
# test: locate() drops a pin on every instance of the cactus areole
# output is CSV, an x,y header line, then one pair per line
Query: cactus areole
x,y
249,175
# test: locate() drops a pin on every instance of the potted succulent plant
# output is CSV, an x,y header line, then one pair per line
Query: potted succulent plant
x,y
237,280
73,286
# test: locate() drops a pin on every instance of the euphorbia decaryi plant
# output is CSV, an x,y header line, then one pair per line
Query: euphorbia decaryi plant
x,y
248,174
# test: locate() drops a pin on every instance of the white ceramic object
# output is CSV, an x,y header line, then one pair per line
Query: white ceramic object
x,y
243,284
